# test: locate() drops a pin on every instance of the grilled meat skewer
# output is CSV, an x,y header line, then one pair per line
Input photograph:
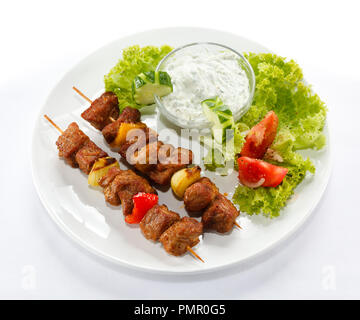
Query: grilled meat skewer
x,y
119,185
160,161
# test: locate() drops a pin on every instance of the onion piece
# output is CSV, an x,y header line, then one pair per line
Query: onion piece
x,y
255,184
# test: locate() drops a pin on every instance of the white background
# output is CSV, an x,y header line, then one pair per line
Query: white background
x,y
41,40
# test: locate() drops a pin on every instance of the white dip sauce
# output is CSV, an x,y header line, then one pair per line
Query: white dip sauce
x,y
197,75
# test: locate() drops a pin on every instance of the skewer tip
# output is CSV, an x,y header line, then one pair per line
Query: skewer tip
x,y
81,94
53,123
235,223
195,254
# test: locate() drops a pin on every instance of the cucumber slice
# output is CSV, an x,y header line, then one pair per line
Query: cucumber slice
x,y
148,84
220,116
150,76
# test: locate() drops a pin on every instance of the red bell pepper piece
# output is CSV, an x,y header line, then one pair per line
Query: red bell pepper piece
x,y
143,202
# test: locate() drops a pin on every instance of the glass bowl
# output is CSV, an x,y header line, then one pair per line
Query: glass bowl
x,y
208,47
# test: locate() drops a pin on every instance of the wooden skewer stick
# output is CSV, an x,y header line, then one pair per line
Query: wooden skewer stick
x,y
81,94
235,223
194,253
53,123
61,131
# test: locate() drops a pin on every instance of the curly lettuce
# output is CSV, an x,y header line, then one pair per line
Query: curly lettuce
x,y
280,87
134,60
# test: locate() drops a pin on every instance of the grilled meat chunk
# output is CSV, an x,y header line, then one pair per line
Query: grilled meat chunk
x,y
156,221
164,170
87,156
177,158
121,185
109,177
145,159
100,111
70,142
136,139
162,177
220,215
129,115
159,161
110,189
180,235
199,195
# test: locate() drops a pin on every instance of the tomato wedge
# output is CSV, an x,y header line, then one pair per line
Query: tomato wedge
x,y
255,173
260,137
143,202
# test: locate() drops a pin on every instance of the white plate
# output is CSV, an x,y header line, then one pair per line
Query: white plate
x,y
81,212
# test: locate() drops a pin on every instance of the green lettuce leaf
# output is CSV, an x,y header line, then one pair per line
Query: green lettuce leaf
x,y
134,60
280,87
